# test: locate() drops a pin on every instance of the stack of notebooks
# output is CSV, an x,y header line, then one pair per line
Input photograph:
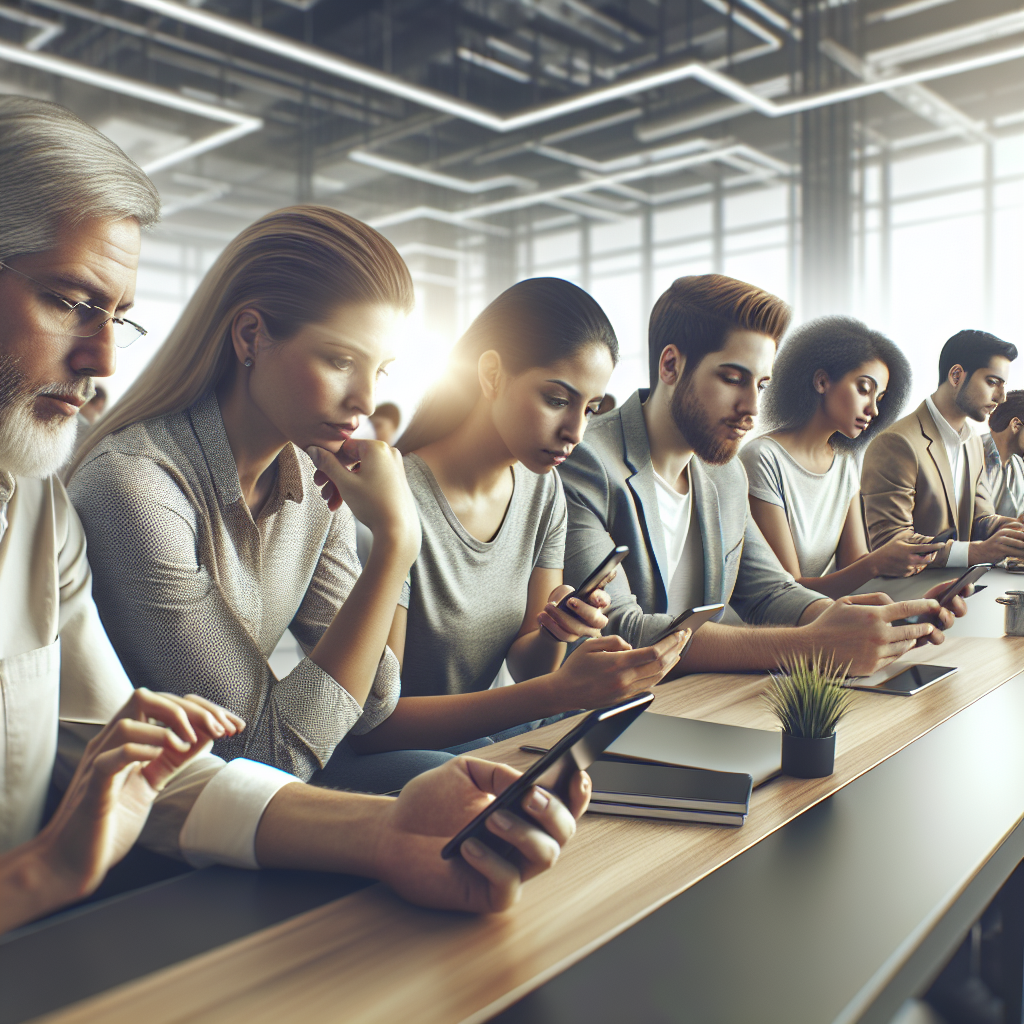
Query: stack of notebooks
x,y
683,769
641,790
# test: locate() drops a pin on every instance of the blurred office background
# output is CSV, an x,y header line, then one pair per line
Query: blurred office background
x,y
862,156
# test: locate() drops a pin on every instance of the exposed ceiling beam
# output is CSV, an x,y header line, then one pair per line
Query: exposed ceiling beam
x,y
238,124
449,181
716,80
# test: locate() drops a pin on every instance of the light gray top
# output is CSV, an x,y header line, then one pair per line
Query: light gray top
x,y
815,504
1005,482
195,595
468,596
609,489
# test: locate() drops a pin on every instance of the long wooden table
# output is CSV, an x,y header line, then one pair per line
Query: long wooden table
x,y
369,957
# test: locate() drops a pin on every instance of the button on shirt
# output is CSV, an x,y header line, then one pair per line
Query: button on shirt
x,y
684,547
196,594
954,443
56,664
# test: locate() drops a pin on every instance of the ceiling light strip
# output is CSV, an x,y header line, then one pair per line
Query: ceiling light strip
x,y
315,58
239,124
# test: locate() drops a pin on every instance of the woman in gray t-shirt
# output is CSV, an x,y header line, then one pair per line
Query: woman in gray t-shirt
x,y
835,385
480,459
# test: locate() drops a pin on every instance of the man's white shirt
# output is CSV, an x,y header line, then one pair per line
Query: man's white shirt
x,y
57,667
954,443
684,547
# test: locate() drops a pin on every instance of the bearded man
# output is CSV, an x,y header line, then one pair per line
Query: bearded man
x,y
926,473
658,474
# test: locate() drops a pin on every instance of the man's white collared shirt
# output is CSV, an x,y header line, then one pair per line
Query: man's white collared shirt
x,y
57,666
954,443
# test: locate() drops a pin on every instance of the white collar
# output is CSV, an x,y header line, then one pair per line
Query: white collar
x,y
950,437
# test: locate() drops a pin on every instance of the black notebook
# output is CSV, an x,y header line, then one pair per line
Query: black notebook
x,y
668,813
666,786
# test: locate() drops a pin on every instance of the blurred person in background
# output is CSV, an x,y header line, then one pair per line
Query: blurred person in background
x,y
385,421
96,406
1004,455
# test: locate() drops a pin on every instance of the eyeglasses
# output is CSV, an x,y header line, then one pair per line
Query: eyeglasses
x,y
82,319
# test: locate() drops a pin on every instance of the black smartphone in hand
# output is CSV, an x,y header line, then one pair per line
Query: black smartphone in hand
x,y
945,599
599,577
574,752
946,535
692,618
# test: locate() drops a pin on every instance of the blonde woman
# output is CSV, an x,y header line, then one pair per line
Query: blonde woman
x,y
207,535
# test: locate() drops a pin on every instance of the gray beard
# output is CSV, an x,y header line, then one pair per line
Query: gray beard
x,y
30,446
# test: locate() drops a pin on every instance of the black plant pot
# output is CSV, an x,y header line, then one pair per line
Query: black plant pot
x,y
808,757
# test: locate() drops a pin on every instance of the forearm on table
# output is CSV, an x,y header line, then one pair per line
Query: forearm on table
x,y
312,829
444,721
534,654
29,888
720,648
351,647
843,581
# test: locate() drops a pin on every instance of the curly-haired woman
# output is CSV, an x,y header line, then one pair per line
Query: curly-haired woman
x,y
836,384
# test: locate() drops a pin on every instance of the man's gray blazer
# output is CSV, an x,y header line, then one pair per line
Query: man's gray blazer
x,y
610,490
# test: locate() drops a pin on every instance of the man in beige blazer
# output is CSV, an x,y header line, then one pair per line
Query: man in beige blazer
x,y
926,473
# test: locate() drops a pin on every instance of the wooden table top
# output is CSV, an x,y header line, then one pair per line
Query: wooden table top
x,y
370,957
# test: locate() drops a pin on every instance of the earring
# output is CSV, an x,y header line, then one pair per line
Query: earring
x,y
247,364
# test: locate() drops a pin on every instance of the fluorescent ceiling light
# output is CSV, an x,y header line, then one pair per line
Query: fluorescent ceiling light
x,y
46,31
506,70
433,99
238,124
449,181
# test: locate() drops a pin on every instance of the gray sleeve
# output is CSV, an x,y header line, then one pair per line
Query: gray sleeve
x,y
552,551
765,594
764,477
590,536
173,629
335,575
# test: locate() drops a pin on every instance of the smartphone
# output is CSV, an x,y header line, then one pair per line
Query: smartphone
x,y
941,538
692,618
574,752
600,576
945,599
904,683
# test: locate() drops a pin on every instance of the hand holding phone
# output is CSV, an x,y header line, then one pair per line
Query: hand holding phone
x,y
603,574
692,619
946,598
576,614
574,752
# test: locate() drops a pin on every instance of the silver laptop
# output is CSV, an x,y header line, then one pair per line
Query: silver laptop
x,y
695,744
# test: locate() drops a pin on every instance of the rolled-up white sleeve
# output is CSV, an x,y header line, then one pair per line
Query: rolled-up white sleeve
x,y
221,826
958,555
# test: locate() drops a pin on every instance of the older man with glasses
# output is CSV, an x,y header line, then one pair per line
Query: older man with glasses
x,y
72,210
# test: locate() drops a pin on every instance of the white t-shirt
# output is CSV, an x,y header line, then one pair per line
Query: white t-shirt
x,y
684,547
816,504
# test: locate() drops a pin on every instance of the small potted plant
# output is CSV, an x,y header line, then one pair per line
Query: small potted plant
x,y
808,696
